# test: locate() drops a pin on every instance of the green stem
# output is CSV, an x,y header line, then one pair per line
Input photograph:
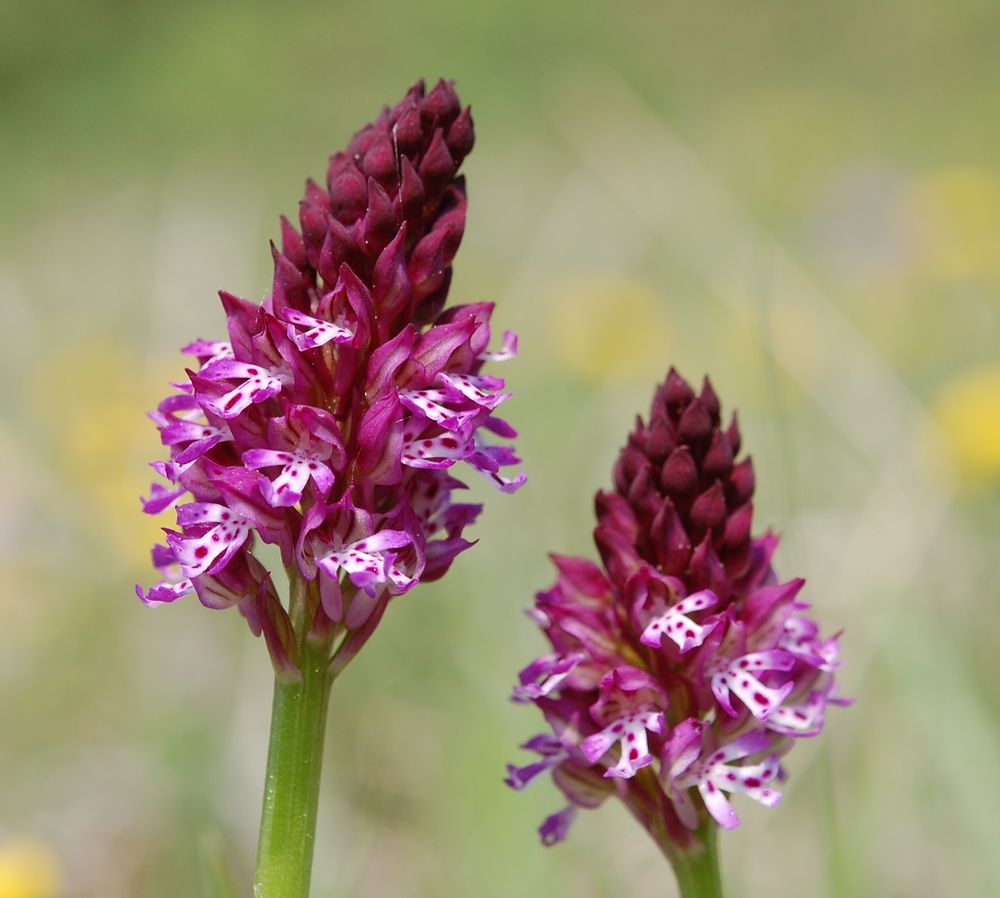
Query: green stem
x,y
294,762
697,868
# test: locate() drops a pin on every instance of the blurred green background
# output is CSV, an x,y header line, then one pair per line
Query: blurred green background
x,y
802,199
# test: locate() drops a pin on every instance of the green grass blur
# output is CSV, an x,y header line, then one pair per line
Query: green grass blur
x,y
801,199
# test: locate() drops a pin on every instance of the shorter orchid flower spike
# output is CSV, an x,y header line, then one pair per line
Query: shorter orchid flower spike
x,y
681,668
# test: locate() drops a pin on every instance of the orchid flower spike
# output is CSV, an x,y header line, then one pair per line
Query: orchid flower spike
x,y
680,669
334,420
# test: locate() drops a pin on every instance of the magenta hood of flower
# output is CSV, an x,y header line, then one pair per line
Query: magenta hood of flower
x,y
332,421
683,656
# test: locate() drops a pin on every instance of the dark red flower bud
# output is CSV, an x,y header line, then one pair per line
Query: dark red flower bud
x,y
718,460
659,441
441,105
379,224
380,161
741,482
461,136
292,244
708,512
348,189
290,288
738,526
338,248
678,392
614,512
391,281
630,461
317,195
411,194
733,435
706,571
679,474
642,489
619,555
431,257
695,425
242,319
437,167
408,131
710,400
671,546
362,141
314,221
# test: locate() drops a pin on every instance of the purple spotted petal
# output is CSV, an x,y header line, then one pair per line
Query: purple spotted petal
x,y
307,332
164,592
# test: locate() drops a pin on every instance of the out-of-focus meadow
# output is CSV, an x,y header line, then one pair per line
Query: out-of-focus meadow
x,y
802,199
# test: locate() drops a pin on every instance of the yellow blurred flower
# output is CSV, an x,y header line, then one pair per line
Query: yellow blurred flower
x,y
609,329
105,440
968,412
28,869
957,214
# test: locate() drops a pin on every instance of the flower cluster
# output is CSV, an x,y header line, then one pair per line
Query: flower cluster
x,y
683,668
328,424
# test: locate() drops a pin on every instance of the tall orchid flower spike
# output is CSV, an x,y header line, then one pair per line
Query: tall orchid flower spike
x,y
681,669
331,425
